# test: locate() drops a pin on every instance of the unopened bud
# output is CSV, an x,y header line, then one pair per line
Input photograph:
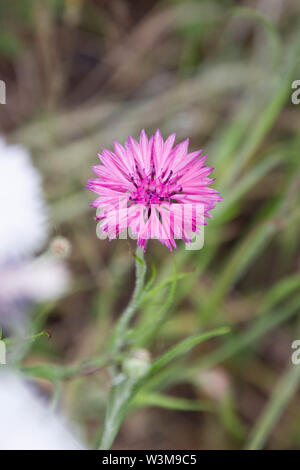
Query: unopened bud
x,y
60,247
138,364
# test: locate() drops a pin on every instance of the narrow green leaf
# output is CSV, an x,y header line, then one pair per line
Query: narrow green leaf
x,y
185,346
280,399
171,403
242,340
280,291
164,284
152,278
267,25
149,325
45,371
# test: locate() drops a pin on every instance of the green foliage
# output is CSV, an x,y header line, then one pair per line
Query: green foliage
x,y
229,72
10,45
171,403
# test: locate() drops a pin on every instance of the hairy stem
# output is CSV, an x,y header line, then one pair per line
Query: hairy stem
x,y
119,333
121,393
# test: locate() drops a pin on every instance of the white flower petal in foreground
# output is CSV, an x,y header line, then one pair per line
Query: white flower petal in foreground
x,y
22,208
37,280
27,423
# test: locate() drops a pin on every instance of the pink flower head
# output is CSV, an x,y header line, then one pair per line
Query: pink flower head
x,y
154,189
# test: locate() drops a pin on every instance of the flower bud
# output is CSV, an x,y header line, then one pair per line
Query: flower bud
x,y
137,364
60,247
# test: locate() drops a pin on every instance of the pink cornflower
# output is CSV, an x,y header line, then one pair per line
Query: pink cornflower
x,y
154,189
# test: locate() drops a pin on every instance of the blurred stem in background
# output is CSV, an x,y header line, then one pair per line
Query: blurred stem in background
x,y
277,404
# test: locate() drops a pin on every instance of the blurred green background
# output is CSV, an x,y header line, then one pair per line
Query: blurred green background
x,y
81,73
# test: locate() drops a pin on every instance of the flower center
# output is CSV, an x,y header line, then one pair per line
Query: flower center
x,y
152,190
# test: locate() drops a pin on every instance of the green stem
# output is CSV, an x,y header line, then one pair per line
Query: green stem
x,y
121,393
119,333
119,399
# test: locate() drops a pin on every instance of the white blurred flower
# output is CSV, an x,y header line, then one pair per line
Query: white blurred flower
x,y
22,208
27,423
38,280
24,279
